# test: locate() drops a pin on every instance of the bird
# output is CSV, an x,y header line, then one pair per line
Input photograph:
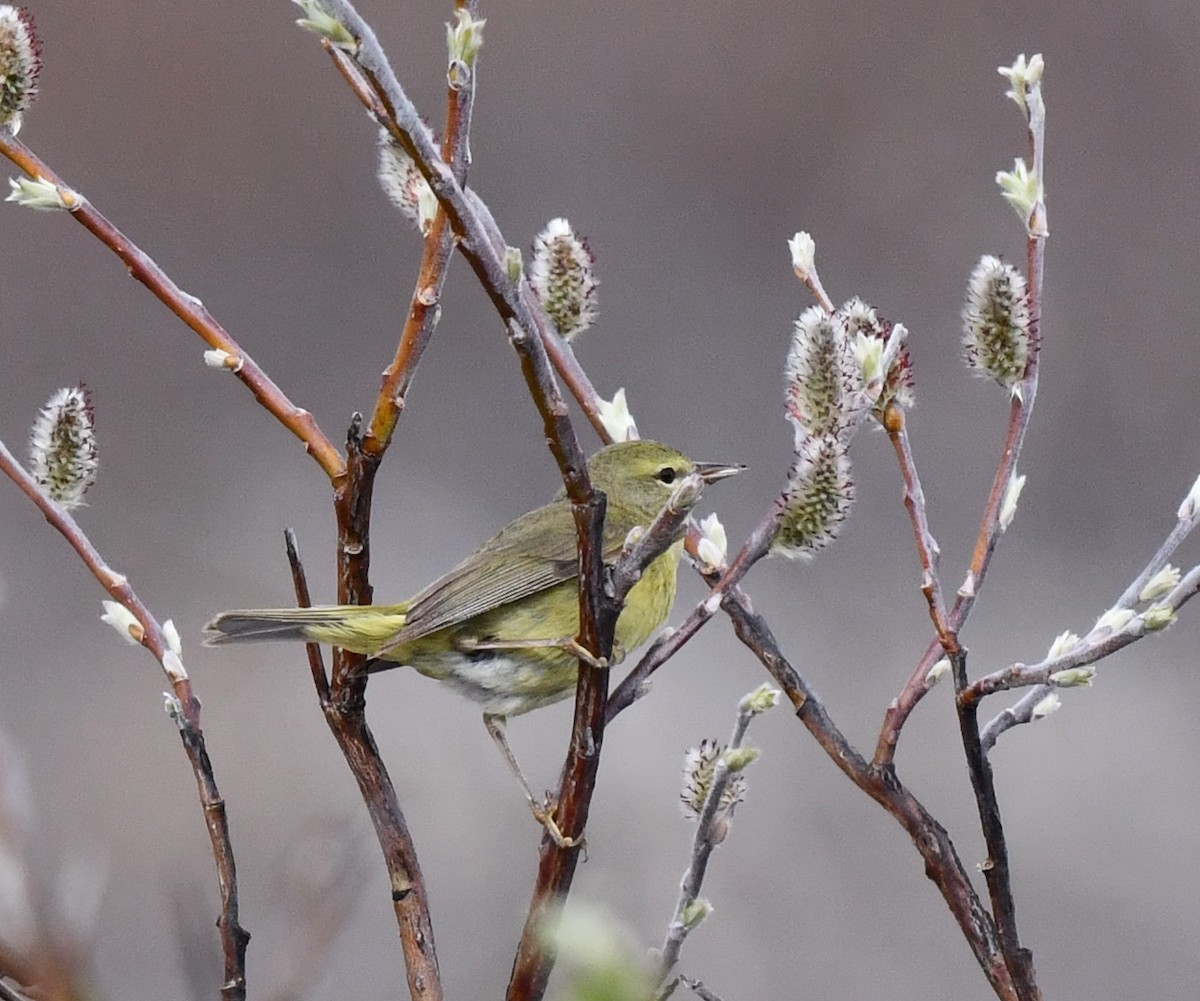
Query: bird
x,y
500,626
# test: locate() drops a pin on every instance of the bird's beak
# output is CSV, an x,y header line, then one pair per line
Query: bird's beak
x,y
710,472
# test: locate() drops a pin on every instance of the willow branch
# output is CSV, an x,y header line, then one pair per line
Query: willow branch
x,y
637,682
481,242
184,709
187,307
1020,412
711,827
933,843
928,551
424,309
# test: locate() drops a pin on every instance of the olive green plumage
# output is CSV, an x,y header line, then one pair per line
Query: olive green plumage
x,y
474,628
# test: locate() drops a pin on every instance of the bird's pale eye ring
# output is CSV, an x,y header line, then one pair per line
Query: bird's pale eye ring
x,y
666,475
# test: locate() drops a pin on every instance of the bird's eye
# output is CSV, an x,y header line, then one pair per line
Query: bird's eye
x,y
666,475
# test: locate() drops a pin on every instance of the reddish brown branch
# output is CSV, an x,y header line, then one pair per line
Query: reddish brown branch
x,y
481,242
928,550
1020,412
344,706
188,308
424,309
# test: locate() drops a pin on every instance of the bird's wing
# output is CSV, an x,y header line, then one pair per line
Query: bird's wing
x,y
531,554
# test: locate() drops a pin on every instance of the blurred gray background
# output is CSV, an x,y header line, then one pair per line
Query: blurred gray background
x,y
688,142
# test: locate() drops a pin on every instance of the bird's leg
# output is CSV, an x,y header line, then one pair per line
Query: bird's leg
x,y
570,644
543,812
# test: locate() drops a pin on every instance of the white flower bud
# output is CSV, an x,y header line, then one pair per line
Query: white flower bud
x,y
223,359
937,672
1113,621
41,195
1073,677
171,637
123,621
1191,503
712,545
1062,645
514,263
464,37
1023,190
321,23
738,759
1023,77
803,250
1158,617
764,697
693,912
1012,493
1050,704
1161,584
616,418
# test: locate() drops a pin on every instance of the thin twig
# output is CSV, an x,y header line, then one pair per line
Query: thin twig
x,y
709,833
928,550
1081,655
637,682
700,990
1020,412
185,710
187,307
1018,675
996,868
316,662
482,244
424,309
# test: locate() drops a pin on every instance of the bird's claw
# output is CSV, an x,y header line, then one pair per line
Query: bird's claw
x,y
543,813
577,649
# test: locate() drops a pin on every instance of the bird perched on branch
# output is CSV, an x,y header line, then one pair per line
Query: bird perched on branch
x,y
501,626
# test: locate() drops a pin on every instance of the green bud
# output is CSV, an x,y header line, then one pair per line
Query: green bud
x,y
1073,677
1161,584
464,37
41,195
693,912
514,264
739,758
764,697
1158,617
323,24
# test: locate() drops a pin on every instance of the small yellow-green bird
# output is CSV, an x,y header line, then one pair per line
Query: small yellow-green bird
x,y
500,626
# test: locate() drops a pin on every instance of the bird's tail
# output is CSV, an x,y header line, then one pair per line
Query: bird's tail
x,y
358,628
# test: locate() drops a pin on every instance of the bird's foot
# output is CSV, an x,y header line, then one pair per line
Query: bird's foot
x,y
543,813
